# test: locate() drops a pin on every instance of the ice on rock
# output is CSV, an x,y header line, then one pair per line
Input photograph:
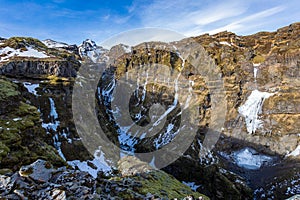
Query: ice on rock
x,y
53,112
54,123
31,87
52,126
252,108
295,153
249,159
255,70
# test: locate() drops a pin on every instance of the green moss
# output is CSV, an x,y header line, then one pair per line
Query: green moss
x,y
23,42
54,80
144,180
21,134
23,117
10,138
49,153
157,183
164,185
7,89
63,54
258,59
3,150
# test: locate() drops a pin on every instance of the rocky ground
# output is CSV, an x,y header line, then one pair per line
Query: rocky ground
x,y
134,180
257,155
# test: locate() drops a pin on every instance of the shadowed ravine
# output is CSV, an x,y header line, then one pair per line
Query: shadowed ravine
x,y
249,84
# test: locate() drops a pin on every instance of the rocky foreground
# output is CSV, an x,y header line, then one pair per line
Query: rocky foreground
x,y
257,155
134,180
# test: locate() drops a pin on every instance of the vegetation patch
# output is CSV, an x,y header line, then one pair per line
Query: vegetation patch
x,y
7,90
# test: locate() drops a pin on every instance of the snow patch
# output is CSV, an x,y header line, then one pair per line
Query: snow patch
x,y
126,48
57,145
252,108
225,43
31,87
17,119
54,44
125,138
30,52
99,164
255,70
192,185
295,153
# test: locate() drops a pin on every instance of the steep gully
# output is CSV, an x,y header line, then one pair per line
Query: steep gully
x,y
54,103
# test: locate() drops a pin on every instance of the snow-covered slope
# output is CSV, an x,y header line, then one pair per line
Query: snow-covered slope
x,y
54,44
8,52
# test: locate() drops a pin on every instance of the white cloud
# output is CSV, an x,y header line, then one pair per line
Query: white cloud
x,y
185,16
137,36
197,17
121,19
216,13
250,21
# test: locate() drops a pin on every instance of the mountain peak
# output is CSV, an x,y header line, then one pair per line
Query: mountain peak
x,y
89,50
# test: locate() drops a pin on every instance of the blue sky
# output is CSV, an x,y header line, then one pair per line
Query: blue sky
x,y
73,21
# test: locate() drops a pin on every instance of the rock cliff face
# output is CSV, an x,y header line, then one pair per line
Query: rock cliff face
x,y
37,68
260,102
28,57
260,73
263,62
260,77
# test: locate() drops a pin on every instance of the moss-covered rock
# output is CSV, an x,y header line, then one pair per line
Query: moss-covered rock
x,y
9,96
22,138
23,43
7,90
152,181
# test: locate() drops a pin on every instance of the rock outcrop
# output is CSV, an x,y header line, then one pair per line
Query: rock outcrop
x,y
22,138
40,180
